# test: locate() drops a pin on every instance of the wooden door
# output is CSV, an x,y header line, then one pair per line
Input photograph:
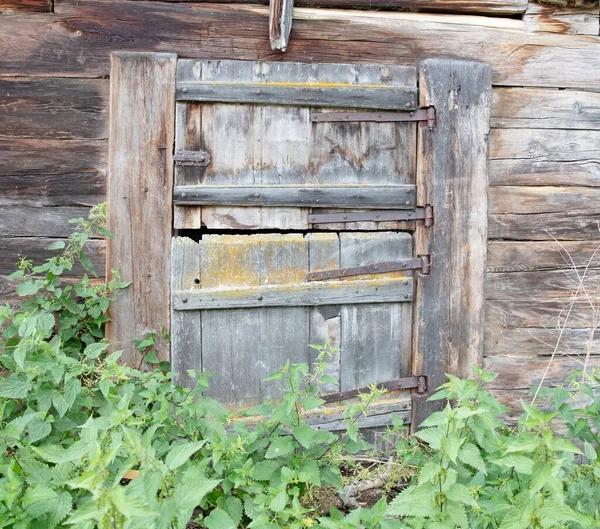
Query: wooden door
x,y
302,205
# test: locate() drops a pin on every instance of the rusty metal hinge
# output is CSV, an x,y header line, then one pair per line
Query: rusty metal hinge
x,y
422,263
419,383
191,158
420,213
426,116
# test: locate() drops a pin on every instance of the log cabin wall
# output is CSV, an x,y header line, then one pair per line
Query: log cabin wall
x,y
544,194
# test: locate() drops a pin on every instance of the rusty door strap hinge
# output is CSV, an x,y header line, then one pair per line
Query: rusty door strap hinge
x,y
414,263
426,116
382,215
191,158
419,383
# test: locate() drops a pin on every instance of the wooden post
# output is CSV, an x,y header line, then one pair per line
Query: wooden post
x,y
280,23
140,182
452,176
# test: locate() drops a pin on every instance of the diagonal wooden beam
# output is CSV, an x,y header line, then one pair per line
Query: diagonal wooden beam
x,y
280,23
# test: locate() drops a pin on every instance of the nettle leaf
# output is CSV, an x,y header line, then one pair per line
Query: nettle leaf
x,y
58,245
279,502
589,451
29,287
470,455
219,519
309,473
310,403
94,350
36,500
304,434
38,429
281,446
60,507
181,452
14,386
263,470
522,464
432,436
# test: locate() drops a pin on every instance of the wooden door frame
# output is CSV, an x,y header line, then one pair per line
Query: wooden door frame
x,y
452,176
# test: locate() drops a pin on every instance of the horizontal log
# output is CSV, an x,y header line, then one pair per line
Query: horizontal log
x,y
567,20
498,7
36,249
351,96
508,256
540,108
543,172
39,6
563,225
541,285
517,373
540,314
544,199
295,295
336,196
53,108
77,40
22,221
52,172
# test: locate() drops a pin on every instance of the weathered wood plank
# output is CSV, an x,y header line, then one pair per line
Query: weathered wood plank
x,y
186,326
452,177
527,256
261,339
338,196
39,6
295,295
449,6
52,44
280,23
140,195
540,285
569,20
22,221
325,322
351,96
541,108
516,373
375,338
38,173
53,108
563,225
36,249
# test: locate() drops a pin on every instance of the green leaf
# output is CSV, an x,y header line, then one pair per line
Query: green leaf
x,y
304,434
190,494
540,475
36,500
309,473
38,429
310,403
58,245
460,493
151,358
219,519
432,436
281,446
589,451
181,452
94,350
522,464
263,470
28,288
14,386
470,455
60,507
279,502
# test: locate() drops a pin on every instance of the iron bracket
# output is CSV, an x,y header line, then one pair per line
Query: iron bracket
x,y
422,263
191,158
420,213
425,116
419,383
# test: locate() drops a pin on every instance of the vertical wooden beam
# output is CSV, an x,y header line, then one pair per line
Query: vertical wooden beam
x,y
140,182
280,23
452,176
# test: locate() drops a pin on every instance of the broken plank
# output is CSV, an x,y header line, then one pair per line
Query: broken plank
x,y
35,172
52,108
142,95
280,23
542,108
293,295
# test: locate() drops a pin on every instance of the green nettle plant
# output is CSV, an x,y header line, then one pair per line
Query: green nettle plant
x,y
90,443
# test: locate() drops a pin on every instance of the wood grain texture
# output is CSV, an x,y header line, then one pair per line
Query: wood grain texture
x,y
280,23
568,20
543,108
36,173
38,6
77,40
48,108
449,6
23,221
140,196
452,177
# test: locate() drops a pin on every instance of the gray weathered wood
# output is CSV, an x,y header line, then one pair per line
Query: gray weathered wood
x,y
452,177
280,23
296,295
140,194
339,196
375,339
243,346
186,326
580,224
561,19
352,96
23,221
